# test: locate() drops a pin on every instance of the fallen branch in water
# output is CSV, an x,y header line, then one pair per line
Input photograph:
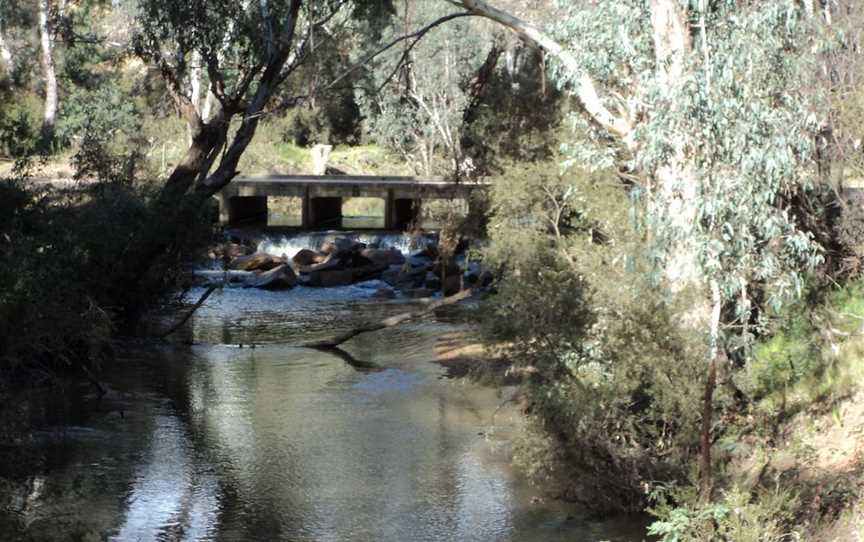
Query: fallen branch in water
x,y
189,314
359,365
391,321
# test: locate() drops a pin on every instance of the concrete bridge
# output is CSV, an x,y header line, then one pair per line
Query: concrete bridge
x,y
244,200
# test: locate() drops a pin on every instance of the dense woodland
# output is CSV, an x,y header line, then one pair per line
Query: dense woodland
x,y
673,225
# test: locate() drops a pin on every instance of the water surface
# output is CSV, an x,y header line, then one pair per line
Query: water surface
x,y
220,440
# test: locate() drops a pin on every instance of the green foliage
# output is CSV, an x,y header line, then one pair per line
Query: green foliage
x,y
736,517
417,108
518,117
612,378
801,346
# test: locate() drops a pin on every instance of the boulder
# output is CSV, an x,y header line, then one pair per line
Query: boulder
x,y
410,277
278,278
330,263
326,278
259,261
308,257
391,275
342,245
367,272
383,257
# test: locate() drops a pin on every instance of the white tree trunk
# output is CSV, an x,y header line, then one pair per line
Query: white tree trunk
x,y
195,90
50,112
5,52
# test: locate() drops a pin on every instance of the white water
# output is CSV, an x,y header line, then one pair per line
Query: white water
x,y
291,244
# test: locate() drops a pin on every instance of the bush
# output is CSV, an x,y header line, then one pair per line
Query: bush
x,y
736,517
614,383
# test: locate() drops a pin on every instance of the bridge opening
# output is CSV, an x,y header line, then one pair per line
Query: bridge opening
x,y
437,213
284,211
363,212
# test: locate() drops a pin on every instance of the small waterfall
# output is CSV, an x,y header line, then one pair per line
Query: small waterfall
x,y
291,244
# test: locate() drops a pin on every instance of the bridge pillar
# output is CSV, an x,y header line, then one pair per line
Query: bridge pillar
x,y
243,209
401,213
322,212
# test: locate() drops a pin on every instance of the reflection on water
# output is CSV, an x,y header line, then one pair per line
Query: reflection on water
x,y
217,442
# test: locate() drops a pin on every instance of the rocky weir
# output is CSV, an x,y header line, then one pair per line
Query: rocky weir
x,y
334,260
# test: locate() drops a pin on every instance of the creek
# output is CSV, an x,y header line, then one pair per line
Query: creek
x,y
232,432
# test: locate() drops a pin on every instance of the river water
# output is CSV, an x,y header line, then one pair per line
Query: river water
x,y
212,438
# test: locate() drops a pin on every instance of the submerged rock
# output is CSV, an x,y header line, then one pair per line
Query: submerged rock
x,y
278,278
383,257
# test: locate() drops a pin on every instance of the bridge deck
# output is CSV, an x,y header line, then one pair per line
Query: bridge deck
x,y
349,186
245,198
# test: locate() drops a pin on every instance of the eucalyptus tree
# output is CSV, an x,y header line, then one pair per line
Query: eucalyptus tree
x,y
710,110
420,98
49,71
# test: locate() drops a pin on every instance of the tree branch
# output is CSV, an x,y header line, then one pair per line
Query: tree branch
x,y
585,87
391,321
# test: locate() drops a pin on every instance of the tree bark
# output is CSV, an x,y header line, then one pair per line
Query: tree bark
x,y
5,52
50,111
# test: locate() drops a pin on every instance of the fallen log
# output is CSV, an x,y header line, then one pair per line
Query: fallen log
x,y
189,314
391,321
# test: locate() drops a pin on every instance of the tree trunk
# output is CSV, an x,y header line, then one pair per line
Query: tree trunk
x,y
50,111
705,475
5,53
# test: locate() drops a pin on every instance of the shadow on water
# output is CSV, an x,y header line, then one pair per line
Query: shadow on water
x,y
216,442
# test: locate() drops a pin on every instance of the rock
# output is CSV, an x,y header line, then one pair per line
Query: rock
x,y
328,278
410,277
330,263
341,245
419,263
451,285
384,293
383,257
308,257
367,272
391,275
256,262
278,278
